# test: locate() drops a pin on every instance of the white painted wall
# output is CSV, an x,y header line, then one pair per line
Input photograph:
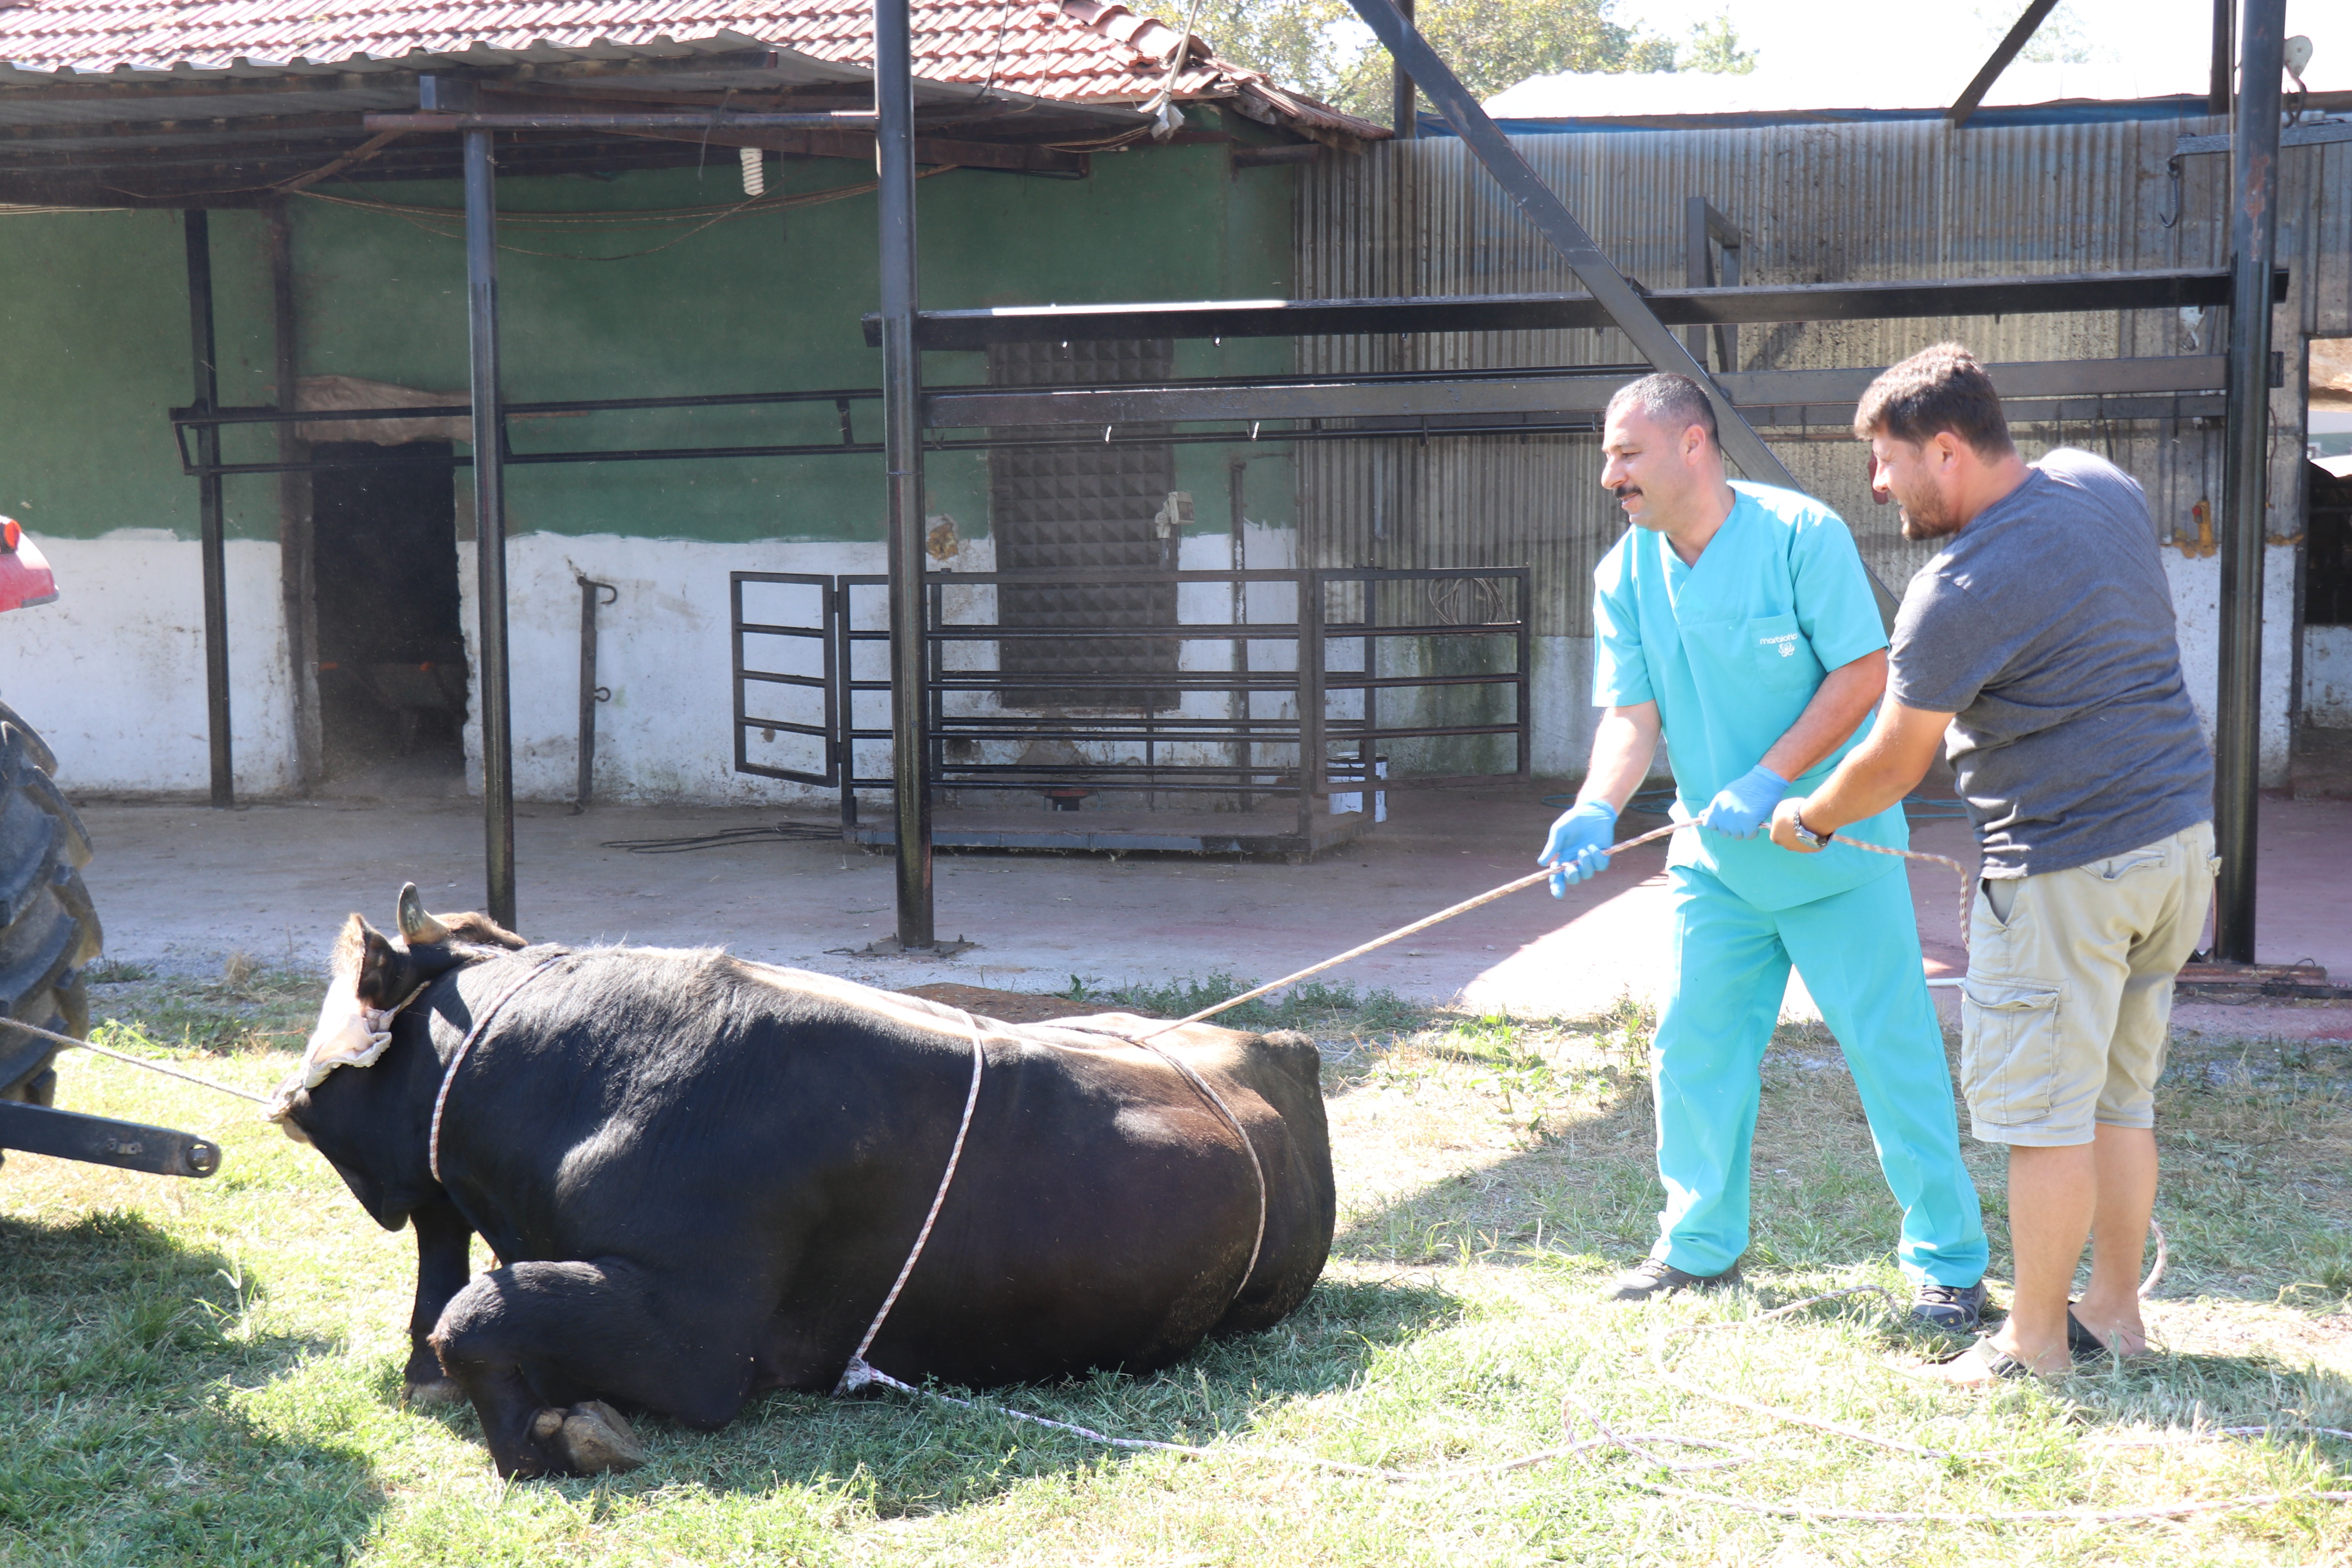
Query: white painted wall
x,y
1559,688
112,675
2327,677
2196,604
662,649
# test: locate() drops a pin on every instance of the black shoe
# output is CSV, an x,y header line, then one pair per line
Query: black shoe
x,y
1955,1309
1654,1278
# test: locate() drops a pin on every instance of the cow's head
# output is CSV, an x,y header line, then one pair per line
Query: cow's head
x,y
371,978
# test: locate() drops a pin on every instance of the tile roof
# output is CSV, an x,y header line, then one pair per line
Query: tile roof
x,y
1070,51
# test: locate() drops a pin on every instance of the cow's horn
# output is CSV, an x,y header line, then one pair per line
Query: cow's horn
x,y
416,925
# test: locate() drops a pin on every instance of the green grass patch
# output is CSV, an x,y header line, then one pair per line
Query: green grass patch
x,y
210,1372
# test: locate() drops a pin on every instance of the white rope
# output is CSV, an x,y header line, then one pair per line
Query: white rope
x,y
1529,881
1641,1444
464,1047
135,1061
1257,1167
857,1374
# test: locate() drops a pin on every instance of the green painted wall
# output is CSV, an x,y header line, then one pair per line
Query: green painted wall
x,y
96,320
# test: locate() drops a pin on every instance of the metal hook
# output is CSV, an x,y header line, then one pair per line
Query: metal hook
x,y
2173,168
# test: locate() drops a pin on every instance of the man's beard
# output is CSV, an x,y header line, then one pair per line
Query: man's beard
x,y
1925,519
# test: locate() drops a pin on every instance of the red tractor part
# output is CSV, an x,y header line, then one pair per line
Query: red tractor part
x,y
24,576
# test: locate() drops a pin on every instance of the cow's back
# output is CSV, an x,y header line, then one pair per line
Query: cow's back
x,y
754,1131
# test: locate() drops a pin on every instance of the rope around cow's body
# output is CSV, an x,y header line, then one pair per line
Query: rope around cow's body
x,y
860,1371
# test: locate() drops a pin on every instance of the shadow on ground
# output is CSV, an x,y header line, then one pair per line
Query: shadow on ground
x,y
119,1441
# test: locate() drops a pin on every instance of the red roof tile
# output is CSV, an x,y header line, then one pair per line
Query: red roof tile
x,y
1072,51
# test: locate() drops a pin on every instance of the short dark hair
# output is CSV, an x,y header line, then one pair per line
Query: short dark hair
x,y
1674,402
1938,389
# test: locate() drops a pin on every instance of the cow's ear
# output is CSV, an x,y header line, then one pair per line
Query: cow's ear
x,y
350,946
382,969
416,925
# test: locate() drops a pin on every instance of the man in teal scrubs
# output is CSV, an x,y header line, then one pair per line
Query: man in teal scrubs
x,y
1738,619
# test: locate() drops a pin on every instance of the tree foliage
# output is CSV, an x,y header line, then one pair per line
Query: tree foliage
x,y
1319,47
1715,48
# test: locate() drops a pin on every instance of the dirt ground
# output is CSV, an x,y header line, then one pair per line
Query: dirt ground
x,y
182,887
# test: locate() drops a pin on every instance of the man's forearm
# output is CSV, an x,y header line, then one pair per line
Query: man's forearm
x,y
1623,747
1842,701
1886,767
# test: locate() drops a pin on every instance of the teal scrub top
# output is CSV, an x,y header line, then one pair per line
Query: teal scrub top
x,y
1731,650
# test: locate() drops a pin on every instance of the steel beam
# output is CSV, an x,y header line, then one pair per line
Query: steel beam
x,y
210,524
1558,393
1542,207
492,683
902,444
101,1141
827,120
2166,289
1997,62
2314,135
2253,241
1704,230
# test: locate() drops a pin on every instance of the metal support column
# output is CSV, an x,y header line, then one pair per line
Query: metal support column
x,y
297,538
489,526
2254,242
902,456
208,508
1405,110
2225,50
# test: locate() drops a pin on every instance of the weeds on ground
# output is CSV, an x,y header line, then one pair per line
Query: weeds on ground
x,y
209,1372
251,1006
1311,1005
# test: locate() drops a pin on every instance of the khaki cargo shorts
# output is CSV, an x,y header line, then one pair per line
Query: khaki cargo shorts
x,y
2064,1013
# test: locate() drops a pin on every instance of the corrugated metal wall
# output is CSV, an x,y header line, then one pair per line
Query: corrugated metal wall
x,y
1830,202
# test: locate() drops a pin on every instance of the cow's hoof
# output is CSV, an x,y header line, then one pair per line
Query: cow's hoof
x,y
591,1439
432,1391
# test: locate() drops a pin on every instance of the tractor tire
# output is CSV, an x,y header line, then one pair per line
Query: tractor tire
x,y
49,933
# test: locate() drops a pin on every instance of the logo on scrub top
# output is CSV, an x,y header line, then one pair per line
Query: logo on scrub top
x,y
1786,642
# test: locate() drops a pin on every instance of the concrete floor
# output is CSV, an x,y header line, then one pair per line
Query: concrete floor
x,y
182,887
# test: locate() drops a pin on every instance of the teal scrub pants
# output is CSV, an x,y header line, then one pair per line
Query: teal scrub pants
x,y
1859,953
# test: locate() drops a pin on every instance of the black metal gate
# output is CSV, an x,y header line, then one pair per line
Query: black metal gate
x,y
1354,664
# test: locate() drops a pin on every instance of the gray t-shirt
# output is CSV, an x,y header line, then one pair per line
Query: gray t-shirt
x,y
2045,628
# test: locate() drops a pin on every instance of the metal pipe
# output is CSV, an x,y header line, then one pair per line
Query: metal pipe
x,y
296,543
842,120
2238,705
591,694
2217,93
902,442
489,526
213,548
1404,105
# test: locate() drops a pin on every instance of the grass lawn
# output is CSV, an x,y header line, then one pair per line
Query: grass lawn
x,y
209,1372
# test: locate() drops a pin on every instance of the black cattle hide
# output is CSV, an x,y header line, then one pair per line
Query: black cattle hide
x,y
700,1175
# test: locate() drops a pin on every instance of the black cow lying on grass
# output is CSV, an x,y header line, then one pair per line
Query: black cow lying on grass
x,y
701,1177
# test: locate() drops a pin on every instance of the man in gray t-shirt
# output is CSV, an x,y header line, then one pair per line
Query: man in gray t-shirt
x,y
2045,629
2037,649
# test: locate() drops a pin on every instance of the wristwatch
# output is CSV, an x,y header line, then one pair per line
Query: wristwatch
x,y
1806,835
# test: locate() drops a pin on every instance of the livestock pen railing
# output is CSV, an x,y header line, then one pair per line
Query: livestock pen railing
x,y
1048,684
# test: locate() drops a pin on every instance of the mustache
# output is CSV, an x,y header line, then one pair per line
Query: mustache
x,y
1623,491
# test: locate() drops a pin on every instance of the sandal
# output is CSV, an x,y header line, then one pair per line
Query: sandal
x,y
2084,1345
1997,1363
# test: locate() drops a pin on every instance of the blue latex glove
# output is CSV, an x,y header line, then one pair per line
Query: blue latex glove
x,y
1576,844
1746,804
